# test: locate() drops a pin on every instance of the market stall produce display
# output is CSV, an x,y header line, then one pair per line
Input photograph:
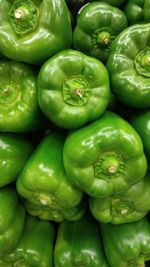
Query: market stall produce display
x,y
74,133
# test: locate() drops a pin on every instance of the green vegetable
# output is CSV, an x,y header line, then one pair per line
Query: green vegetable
x,y
58,214
127,245
111,2
15,149
44,183
134,11
97,26
140,120
129,206
79,244
129,66
33,31
19,107
70,85
137,11
4,264
35,247
104,157
12,216
147,10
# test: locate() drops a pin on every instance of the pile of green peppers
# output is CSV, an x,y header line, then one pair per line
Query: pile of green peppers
x,y
74,133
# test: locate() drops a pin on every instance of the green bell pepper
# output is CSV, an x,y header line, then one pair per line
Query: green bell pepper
x,y
127,245
33,31
35,247
4,264
129,206
79,244
134,10
97,26
44,182
104,157
111,2
147,10
12,217
15,149
56,214
70,85
129,66
140,120
19,107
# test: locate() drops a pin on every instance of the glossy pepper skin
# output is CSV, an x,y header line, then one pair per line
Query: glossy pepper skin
x,y
127,245
12,216
44,182
35,246
70,85
105,157
117,3
79,244
134,11
19,107
33,31
97,26
147,10
15,149
140,120
129,206
57,215
129,66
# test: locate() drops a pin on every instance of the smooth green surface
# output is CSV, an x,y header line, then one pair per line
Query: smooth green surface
x,y
127,245
140,120
97,26
15,149
35,247
41,34
12,216
73,89
137,11
19,107
45,185
104,157
129,206
111,2
131,86
147,10
78,244
134,11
